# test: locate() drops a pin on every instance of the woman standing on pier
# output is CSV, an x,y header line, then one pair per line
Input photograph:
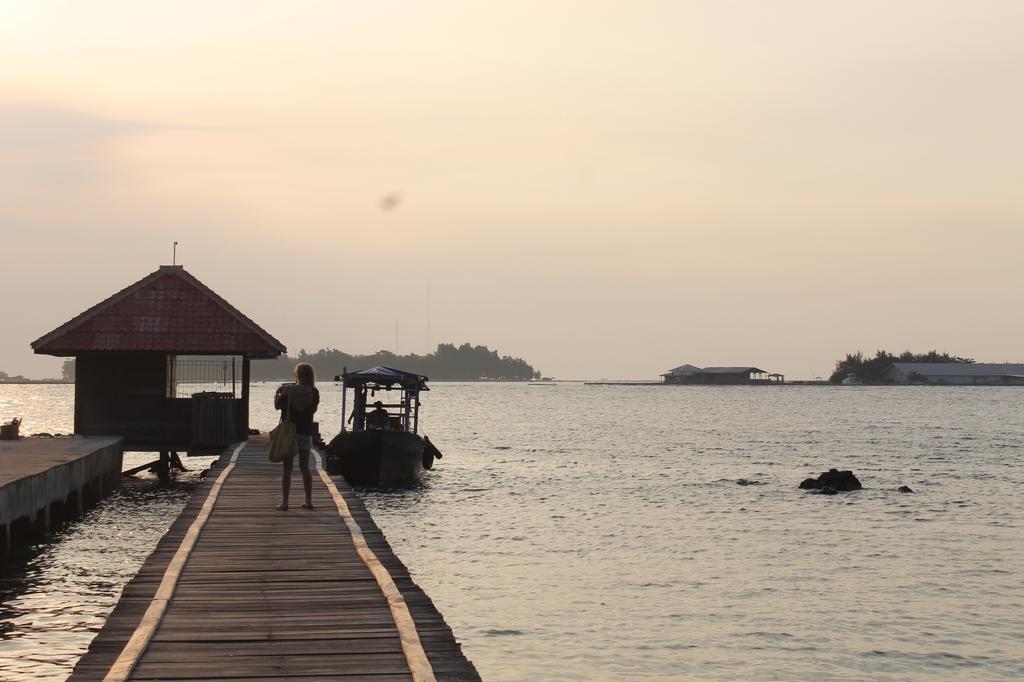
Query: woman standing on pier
x,y
299,401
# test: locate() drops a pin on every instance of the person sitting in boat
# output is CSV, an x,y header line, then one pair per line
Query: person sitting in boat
x,y
378,418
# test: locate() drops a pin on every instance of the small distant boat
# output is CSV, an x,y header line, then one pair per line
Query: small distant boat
x,y
852,379
383,446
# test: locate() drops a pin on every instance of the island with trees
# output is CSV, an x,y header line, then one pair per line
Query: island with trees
x,y
6,378
872,370
448,363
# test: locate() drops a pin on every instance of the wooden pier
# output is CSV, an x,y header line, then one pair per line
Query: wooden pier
x,y
237,589
39,476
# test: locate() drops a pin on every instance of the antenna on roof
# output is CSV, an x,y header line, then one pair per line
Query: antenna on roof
x,y
174,254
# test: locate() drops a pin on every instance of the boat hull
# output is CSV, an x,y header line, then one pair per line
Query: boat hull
x,y
377,457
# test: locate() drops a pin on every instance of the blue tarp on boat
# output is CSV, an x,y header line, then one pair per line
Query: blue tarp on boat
x,y
386,376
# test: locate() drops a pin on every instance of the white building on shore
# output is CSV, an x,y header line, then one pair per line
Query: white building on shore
x,y
956,373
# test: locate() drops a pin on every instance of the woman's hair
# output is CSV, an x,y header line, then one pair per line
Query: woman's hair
x,y
304,374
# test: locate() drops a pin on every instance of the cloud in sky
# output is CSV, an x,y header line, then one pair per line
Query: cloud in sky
x,y
53,148
30,126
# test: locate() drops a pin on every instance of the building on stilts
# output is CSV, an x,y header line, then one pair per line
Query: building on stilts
x,y
163,363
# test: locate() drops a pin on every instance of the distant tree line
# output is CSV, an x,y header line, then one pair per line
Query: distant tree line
x,y
6,378
872,369
448,363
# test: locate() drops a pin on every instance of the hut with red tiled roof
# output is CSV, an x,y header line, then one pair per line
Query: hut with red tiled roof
x,y
145,356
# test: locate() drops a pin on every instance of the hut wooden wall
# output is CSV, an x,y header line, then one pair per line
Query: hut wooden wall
x,y
123,393
126,394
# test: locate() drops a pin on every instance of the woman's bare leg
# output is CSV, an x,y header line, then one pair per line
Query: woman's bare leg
x,y
286,483
307,477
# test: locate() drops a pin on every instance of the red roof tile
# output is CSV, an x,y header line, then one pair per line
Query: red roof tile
x,y
168,311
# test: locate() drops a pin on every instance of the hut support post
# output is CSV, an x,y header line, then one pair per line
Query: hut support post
x,y
243,413
163,467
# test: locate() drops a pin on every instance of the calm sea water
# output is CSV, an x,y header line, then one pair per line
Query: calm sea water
x,y
616,532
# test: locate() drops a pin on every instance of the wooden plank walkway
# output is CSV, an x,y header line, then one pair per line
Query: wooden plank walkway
x,y
269,595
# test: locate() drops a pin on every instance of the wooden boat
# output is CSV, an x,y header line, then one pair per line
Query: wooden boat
x,y
383,446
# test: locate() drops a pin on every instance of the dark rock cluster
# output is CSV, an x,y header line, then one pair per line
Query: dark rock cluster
x,y
831,482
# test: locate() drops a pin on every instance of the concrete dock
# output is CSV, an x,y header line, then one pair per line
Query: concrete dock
x,y
237,589
39,476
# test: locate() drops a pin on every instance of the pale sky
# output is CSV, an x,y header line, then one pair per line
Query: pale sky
x,y
606,189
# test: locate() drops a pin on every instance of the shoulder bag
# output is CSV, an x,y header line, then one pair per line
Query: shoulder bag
x,y
282,438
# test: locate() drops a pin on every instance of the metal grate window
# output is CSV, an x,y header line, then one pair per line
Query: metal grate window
x,y
188,374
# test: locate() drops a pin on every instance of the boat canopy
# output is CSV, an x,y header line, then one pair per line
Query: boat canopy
x,y
386,377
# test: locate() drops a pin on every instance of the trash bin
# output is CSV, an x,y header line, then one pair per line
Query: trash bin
x,y
10,431
213,419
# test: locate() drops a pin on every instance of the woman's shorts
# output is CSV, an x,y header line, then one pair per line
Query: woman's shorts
x,y
304,442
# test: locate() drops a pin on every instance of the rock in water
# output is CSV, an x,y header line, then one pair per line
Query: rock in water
x,y
833,478
840,480
904,489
